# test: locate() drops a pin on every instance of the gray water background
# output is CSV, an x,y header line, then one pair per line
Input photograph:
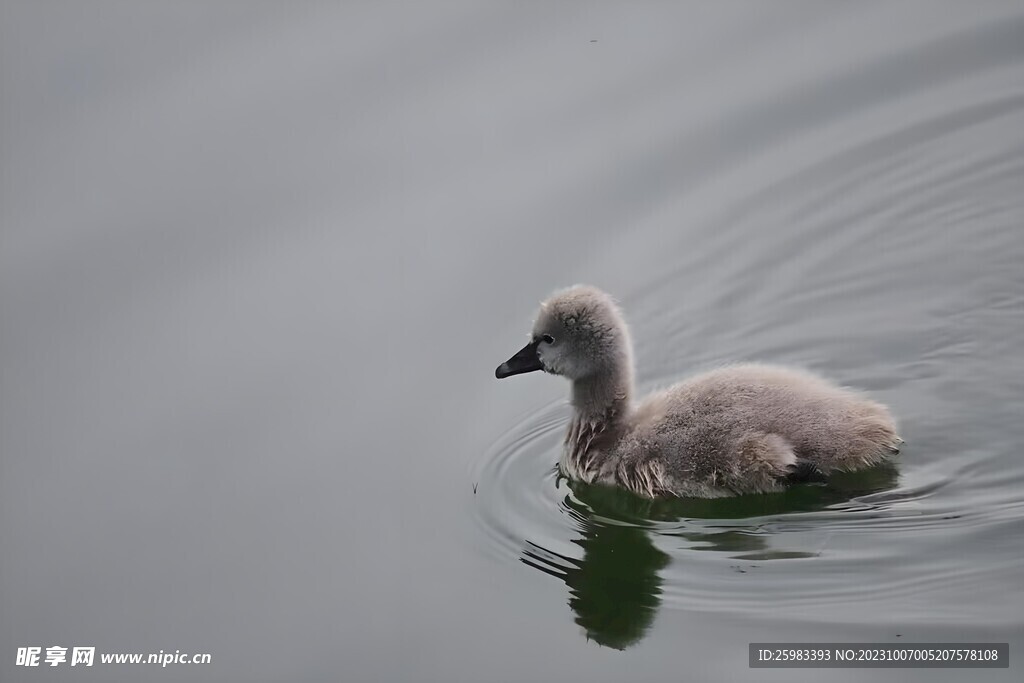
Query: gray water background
x,y
259,261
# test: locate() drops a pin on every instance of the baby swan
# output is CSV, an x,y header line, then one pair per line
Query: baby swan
x,y
738,429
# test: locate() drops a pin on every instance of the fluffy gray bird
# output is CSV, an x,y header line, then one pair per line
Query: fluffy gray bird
x,y
738,429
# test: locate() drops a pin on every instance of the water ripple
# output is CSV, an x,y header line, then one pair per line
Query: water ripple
x,y
893,264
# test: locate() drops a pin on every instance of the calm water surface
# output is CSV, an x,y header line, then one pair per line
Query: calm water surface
x,y
259,262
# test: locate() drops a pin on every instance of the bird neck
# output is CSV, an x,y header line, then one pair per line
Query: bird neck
x,y
601,406
602,398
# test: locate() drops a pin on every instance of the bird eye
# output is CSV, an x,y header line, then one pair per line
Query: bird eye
x,y
548,338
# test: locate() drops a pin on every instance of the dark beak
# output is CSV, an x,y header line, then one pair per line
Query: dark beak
x,y
524,361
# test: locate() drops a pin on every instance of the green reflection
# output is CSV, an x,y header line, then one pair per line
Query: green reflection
x,y
615,588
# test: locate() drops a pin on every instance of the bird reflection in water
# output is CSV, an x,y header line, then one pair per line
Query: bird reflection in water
x,y
615,587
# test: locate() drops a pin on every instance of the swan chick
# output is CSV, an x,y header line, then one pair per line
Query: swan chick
x,y
744,428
